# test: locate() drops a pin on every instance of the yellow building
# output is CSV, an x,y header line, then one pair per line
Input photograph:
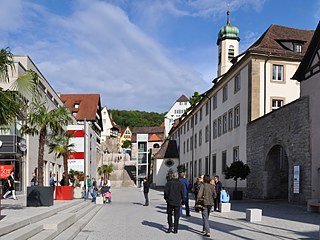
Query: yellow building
x,y
125,135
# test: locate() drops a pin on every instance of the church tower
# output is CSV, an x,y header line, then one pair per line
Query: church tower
x,y
228,46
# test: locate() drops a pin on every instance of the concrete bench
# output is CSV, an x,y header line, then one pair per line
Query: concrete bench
x,y
313,205
253,214
224,207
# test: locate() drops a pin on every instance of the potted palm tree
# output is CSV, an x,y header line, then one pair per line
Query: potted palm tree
x,y
60,144
105,170
40,121
237,170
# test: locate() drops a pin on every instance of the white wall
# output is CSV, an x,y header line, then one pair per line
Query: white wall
x,y
162,170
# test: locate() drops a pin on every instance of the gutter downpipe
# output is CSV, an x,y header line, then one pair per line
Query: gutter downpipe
x,y
265,86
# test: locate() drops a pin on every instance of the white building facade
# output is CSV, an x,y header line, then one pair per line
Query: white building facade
x,y
213,134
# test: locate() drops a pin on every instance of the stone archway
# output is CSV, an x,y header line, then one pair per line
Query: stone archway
x,y
277,174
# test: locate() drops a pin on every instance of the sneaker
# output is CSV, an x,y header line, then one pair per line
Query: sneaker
x,y
169,230
206,234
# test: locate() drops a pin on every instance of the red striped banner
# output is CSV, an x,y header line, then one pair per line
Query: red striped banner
x,y
76,133
76,155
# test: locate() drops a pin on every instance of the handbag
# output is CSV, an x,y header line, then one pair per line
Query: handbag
x,y
199,205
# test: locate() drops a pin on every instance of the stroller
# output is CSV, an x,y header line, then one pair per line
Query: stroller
x,y
107,197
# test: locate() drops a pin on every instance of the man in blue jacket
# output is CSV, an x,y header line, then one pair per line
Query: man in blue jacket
x,y
185,182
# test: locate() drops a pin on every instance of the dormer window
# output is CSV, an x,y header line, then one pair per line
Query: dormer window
x,y
76,105
297,47
292,45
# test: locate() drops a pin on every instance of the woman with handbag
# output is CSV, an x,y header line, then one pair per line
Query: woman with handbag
x,y
207,192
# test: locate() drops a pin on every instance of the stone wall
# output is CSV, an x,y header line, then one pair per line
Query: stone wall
x,y
288,127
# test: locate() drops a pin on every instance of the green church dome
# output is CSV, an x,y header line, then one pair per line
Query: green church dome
x,y
228,31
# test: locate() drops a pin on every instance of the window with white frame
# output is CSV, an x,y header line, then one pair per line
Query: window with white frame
x,y
206,170
187,145
184,128
214,127
277,103
214,164
236,154
230,119
200,137
188,125
191,143
277,72
224,123
207,108
237,83
195,140
196,118
219,126
207,133
224,161
225,93
195,168
237,116
214,101
200,166
184,147
200,113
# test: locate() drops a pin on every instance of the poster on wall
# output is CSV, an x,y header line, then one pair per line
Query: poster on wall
x,y
296,179
5,171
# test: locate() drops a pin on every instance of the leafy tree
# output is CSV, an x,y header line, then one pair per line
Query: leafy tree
x,y
137,118
194,99
12,103
39,122
60,144
237,170
126,144
105,170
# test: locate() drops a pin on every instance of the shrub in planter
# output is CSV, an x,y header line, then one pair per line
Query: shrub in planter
x,y
237,170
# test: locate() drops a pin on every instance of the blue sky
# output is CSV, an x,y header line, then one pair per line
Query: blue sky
x,y
138,54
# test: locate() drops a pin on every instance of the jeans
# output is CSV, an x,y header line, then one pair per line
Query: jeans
x,y
94,195
217,202
86,192
175,209
205,218
147,199
186,204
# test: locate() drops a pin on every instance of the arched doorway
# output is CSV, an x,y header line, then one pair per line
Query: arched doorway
x,y
277,173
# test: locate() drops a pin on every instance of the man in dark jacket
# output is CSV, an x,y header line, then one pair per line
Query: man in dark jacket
x,y
146,187
173,194
218,190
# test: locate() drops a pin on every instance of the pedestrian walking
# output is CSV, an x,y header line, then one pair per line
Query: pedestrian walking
x,y
196,187
218,191
34,180
11,188
87,187
53,181
183,179
94,189
206,192
146,187
173,194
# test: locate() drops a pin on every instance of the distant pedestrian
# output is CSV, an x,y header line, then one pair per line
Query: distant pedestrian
x,y
173,194
100,182
196,187
34,180
76,181
218,190
146,187
53,181
108,183
206,192
87,187
11,188
94,189
183,179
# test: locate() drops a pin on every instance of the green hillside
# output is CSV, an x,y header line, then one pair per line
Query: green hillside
x,y
136,118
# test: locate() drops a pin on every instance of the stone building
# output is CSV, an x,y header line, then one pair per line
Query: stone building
x,y
283,146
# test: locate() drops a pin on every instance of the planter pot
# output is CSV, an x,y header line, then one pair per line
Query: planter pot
x,y
64,192
77,193
237,195
39,196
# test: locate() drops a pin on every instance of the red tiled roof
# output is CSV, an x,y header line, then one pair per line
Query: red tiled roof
x,y
88,104
158,131
270,41
154,138
183,98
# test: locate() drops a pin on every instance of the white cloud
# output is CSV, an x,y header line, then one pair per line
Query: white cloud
x,y
98,50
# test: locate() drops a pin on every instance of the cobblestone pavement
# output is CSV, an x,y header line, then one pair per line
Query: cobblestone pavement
x,y
127,218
